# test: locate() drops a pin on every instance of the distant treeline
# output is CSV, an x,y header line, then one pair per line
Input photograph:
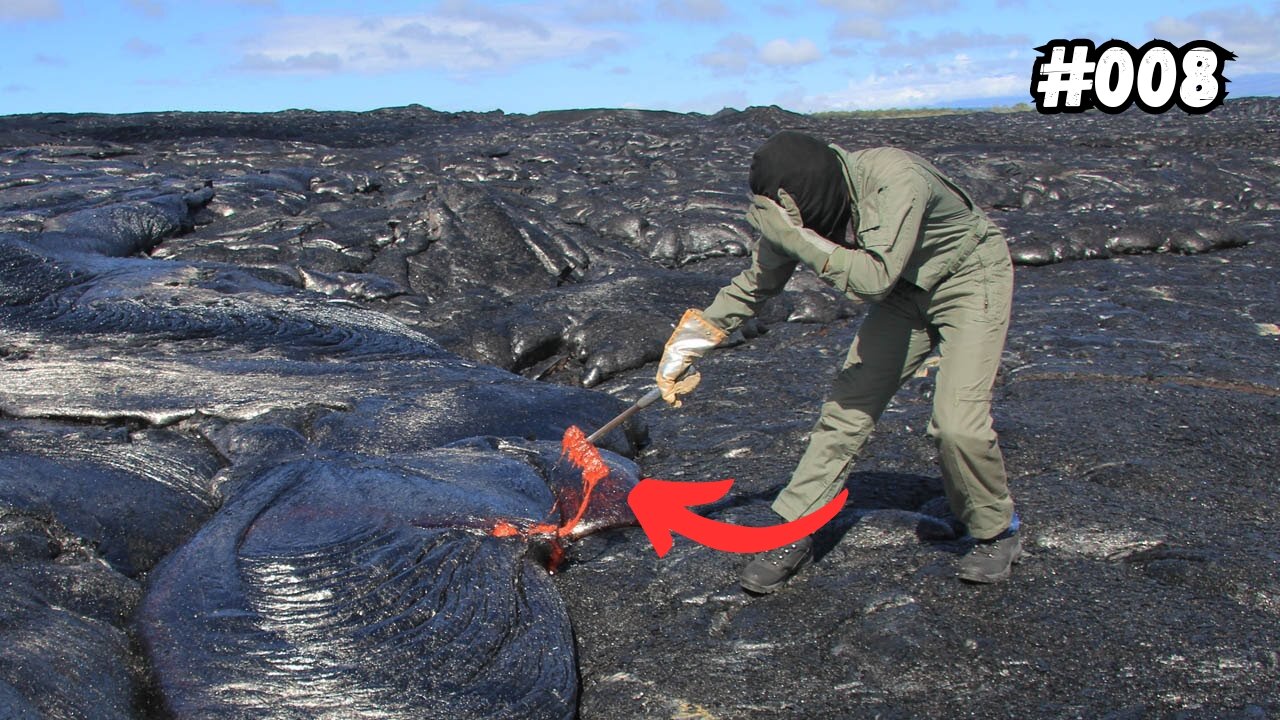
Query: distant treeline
x,y
920,112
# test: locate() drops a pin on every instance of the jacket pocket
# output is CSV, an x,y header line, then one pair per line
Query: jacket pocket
x,y
869,224
997,284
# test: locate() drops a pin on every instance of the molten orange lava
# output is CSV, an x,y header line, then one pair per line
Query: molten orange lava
x,y
584,456
587,458
505,529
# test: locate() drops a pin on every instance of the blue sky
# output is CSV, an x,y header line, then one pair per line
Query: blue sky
x,y
524,56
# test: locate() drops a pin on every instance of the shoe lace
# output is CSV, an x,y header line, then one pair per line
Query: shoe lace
x,y
987,548
777,556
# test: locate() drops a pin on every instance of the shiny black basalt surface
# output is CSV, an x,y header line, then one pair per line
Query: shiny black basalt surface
x,y
267,382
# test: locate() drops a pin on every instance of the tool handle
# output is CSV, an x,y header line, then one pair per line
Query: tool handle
x,y
639,405
649,398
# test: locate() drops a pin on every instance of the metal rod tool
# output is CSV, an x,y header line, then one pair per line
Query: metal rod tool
x,y
639,405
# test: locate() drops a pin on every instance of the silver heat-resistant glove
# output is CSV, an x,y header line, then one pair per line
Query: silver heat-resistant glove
x,y
692,338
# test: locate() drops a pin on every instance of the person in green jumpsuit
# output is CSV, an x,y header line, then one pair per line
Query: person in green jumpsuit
x,y
882,225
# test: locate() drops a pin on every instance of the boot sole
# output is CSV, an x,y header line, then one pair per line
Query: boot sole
x,y
998,577
767,589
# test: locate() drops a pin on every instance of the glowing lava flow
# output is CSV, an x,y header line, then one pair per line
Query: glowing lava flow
x,y
584,456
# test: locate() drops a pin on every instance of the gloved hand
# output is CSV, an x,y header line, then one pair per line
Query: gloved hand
x,y
781,224
692,338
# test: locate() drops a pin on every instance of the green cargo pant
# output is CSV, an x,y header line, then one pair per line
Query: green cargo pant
x,y
965,319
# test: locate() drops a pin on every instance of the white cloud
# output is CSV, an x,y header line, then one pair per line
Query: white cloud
x,y
861,28
459,39
30,10
864,23
786,52
1253,36
603,11
930,86
950,42
150,8
891,8
738,54
593,55
313,63
912,70
141,48
697,10
1167,27
732,54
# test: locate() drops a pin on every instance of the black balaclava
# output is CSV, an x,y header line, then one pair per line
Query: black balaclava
x,y
811,173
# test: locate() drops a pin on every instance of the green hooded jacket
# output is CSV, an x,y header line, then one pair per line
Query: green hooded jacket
x,y
911,224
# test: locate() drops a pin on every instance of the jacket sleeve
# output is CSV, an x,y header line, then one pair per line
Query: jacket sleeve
x,y
889,226
744,295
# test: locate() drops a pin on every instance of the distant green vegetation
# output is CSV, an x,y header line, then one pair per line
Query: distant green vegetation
x,y
917,112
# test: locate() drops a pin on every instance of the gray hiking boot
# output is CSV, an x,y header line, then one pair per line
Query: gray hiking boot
x,y
991,561
769,570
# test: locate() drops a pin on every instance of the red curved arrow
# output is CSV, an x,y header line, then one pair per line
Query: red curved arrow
x,y
662,507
